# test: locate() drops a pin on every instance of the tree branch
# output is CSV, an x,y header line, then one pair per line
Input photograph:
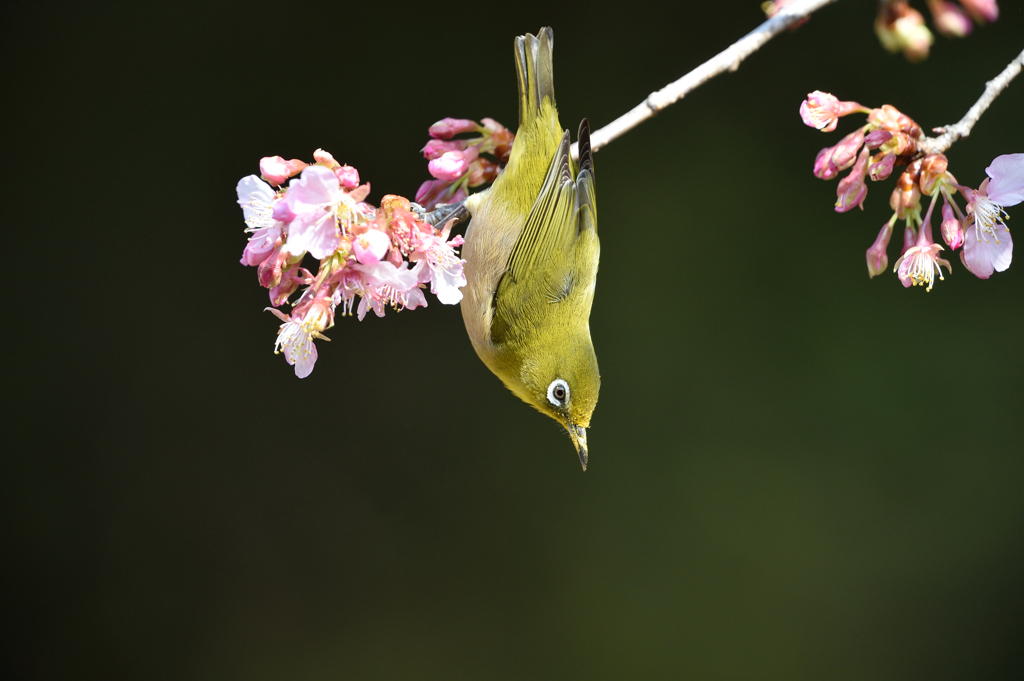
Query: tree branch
x,y
951,133
727,60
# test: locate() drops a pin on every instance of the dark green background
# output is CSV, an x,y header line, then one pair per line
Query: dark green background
x,y
796,472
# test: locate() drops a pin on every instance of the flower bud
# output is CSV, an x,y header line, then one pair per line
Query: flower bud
x,y
325,159
851,190
981,10
276,170
909,239
482,171
348,177
878,259
446,128
877,138
452,165
952,232
846,151
901,27
499,141
881,166
950,20
436,148
823,169
933,169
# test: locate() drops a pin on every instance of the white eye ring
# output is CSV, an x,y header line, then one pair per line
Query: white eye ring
x,y
558,392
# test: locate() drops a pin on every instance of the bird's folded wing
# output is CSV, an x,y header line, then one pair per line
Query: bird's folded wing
x,y
541,260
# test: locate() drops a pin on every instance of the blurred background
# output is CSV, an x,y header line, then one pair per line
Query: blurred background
x,y
796,472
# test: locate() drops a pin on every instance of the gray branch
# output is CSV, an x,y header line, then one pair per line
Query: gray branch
x,y
951,133
728,60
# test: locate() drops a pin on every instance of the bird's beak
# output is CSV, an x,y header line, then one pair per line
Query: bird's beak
x,y
578,434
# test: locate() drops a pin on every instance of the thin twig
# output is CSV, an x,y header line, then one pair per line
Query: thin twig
x,y
951,133
727,60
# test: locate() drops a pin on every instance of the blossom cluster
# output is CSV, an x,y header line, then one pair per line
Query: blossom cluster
x,y
460,163
889,140
901,28
383,256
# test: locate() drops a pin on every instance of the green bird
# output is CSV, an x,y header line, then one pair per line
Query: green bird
x,y
531,258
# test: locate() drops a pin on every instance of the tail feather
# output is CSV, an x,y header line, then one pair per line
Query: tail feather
x,y
535,72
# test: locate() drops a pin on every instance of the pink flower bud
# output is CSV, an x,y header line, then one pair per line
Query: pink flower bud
x,y
878,259
446,128
325,159
909,239
851,190
276,170
436,148
981,10
823,168
349,178
950,20
846,151
820,110
370,246
881,166
452,165
877,138
952,232
429,192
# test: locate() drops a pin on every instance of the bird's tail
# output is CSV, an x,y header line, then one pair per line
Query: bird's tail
x,y
536,74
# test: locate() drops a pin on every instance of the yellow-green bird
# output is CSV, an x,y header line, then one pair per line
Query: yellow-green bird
x,y
531,258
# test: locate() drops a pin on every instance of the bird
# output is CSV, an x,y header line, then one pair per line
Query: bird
x,y
531,257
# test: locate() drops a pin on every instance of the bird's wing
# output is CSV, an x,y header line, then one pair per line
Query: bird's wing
x,y
539,270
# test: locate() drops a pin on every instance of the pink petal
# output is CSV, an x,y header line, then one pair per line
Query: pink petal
x,y
1007,185
985,255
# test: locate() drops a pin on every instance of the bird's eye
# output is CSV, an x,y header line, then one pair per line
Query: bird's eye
x,y
558,392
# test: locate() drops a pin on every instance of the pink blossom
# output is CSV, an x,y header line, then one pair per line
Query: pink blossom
x,y
314,199
370,246
296,335
877,257
395,286
851,190
988,247
276,170
919,265
952,233
820,110
258,202
446,128
452,165
444,270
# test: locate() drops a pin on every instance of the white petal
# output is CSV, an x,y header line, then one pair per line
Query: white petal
x,y
252,189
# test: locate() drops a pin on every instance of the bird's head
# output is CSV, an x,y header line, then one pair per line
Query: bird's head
x,y
561,380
